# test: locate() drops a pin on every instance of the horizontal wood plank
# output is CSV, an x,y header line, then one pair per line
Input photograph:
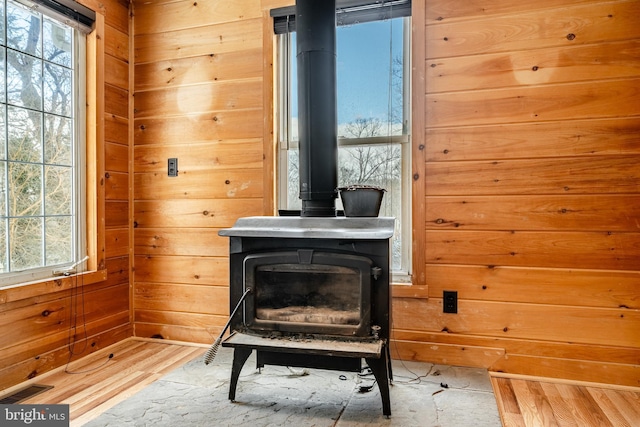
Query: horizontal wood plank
x,y
188,334
580,24
614,327
116,242
183,242
116,43
212,323
450,10
589,250
203,299
116,213
200,69
116,101
116,186
206,184
535,140
217,213
534,67
116,157
117,270
116,14
202,156
205,40
626,375
118,74
116,129
170,15
446,354
181,269
580,175
203,97
584,100
219,125
587,288
603,212
610,356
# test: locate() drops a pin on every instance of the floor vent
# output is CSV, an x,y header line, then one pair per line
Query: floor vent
x,y
24,393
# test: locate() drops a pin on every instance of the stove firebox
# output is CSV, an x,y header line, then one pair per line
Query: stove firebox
x,y
318,294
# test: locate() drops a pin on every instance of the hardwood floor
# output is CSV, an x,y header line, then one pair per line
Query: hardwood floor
x,y
97,382
529,403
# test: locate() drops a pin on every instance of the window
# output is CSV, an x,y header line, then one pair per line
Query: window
x,y
373,94
41,143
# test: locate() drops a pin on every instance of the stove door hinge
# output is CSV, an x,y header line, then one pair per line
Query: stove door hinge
x,y
376,272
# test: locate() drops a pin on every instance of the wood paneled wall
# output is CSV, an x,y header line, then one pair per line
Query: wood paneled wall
x,y
526,167
43,326
530,149
526,179
198,98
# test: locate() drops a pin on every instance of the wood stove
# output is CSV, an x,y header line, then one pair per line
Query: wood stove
x,y
316,294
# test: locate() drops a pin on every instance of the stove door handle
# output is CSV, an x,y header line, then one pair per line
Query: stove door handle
x,y
376,272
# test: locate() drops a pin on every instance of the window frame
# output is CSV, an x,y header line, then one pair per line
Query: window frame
x,y
88,82
284,141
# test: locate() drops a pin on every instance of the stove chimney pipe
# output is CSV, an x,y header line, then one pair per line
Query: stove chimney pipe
x,y
317,106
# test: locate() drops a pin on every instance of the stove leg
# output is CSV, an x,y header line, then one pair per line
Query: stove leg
x,y
240,356
380,369
388,356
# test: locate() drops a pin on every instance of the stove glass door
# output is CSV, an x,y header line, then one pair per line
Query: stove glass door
x,y
308,291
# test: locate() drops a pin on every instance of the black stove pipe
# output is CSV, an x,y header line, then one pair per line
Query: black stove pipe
x,y
317,106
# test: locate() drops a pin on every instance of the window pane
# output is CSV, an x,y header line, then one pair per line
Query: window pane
x,y
3,134
58,194
369,73
293,186
25,135
57,90
57,140
378,165
3,193
4,266
3,94
25,186
23,30
57,43
2,41
59,243
24,80
25,238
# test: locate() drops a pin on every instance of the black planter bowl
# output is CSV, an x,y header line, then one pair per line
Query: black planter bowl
x,y
361,200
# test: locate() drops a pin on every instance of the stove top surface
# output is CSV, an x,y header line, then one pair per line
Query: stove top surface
x,y
312,227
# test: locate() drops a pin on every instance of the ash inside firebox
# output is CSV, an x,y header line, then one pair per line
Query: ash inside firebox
x,y
306,314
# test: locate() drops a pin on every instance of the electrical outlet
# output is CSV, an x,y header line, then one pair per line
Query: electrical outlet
x,y
172,169
450,301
